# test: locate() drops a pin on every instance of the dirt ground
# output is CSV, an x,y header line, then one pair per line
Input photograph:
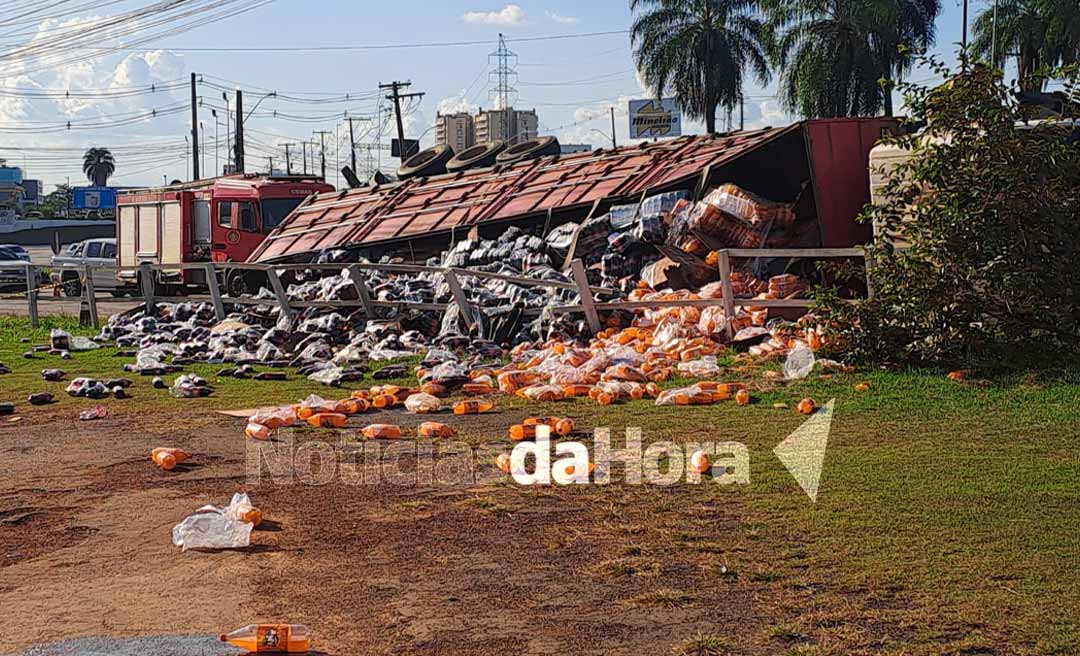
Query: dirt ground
x,y
381,568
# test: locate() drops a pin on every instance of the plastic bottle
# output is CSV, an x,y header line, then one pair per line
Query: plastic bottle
x,y
476,389
382,432
348,407
742,397
270,638
435,429
361,395
384,401
522,432
503,463
699,462
257,431
328,420
558,425
807,406
575,391
473,407
168,458
434,389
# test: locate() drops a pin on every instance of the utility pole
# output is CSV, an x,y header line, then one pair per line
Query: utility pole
x,y
303,144
202,147
288,158
270,160
239,131
613,143
194,128
228,132
322,150
504,94
352,145
396,96
742,112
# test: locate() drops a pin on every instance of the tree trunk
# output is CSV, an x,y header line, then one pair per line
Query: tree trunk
x,y
887,90
710,121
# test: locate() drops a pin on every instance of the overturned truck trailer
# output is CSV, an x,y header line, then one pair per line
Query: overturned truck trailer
x,y
822,163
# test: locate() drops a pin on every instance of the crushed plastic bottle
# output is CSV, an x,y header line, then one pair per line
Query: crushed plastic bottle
x,y
799,363
211,530
97,412
422,404
381,432
270,638
432,429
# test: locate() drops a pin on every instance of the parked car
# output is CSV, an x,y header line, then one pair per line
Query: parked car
x,y
16,275
34,214
98,253
19,250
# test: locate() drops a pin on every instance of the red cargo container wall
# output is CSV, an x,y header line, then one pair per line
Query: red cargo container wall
x,y
839,151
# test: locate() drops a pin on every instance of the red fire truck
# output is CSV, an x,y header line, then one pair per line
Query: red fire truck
x,y
220,220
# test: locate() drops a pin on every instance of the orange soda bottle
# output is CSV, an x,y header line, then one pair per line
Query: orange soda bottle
x,y
257,431
270,638
361,395
433,389
476,389
382,432
167,458
350,406
574,391
473,407
383,401
435,429
521,432
328,420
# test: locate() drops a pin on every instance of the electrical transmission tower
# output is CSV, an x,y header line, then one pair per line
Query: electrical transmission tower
x,y
503,93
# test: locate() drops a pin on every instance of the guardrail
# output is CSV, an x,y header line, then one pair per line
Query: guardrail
x,y
589,306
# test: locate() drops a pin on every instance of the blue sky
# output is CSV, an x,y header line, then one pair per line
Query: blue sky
x,y
567,81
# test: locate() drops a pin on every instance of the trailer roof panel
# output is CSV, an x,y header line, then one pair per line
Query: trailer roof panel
x,y
425,206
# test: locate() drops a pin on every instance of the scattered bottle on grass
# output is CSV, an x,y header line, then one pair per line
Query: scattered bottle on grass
x,y
807,406
435,429
168,458
382,432
270,638
473,407
328,420
699,462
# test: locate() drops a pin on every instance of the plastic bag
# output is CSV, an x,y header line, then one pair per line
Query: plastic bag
x,y
328,374
703,368
209,529
685,396
273,418
543,393
799,363
422,404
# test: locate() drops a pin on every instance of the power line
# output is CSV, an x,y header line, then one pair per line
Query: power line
x,y
396,46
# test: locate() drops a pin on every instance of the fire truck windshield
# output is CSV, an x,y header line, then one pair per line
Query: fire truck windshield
x,y
274,211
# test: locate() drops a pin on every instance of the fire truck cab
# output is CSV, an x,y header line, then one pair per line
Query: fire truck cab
x,y
217,220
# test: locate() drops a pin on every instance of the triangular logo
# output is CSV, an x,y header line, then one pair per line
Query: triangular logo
x,y
803,452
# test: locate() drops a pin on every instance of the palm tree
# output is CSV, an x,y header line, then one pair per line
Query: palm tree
x,y
1038,34
834,53
701,50
98,165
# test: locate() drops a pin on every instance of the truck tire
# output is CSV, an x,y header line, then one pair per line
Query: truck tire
x,y
71,284
426,162
531,149
480,155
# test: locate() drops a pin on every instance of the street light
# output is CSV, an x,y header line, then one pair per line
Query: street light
x,y
228,133
217,159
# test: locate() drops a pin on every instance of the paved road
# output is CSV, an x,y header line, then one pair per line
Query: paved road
x,y
63,306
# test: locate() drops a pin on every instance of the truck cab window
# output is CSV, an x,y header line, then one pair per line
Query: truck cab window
x,y
248,221
225,212
93,249
108,251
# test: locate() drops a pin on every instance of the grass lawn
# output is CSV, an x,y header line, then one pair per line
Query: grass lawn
x,y
947,521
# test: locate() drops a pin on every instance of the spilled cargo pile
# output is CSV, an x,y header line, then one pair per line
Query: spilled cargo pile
x,y
658,250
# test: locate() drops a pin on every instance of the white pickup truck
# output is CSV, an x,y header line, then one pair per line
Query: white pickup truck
x,y
97,253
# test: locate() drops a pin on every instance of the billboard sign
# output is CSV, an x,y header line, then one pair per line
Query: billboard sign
x,y
93,198
655,118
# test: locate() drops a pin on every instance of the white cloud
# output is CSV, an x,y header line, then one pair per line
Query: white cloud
x,y
457,104
565,20
508,15
136,141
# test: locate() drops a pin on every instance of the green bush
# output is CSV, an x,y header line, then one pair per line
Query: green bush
x,y
991,209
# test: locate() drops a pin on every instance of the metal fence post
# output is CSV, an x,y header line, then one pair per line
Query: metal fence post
x,y
279,292
582,280
215,291
146,281
460,298
32,293
360,282
729,294
91,296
